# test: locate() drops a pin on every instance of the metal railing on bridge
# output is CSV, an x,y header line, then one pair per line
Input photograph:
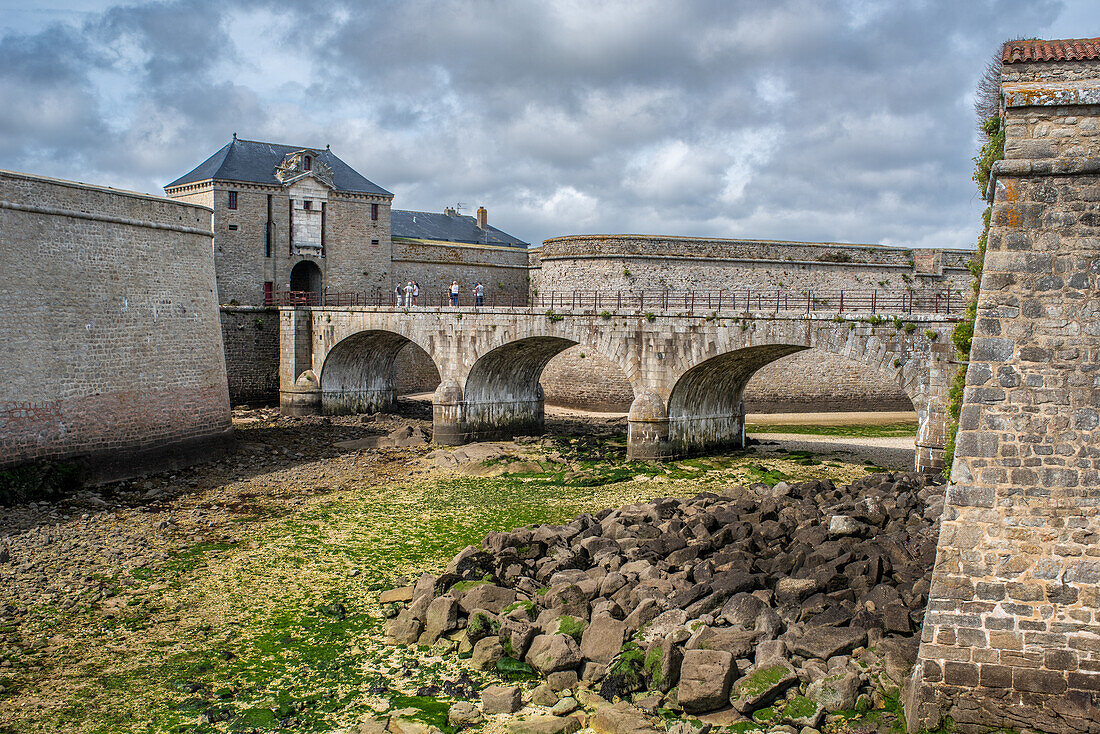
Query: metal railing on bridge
x,y
689,302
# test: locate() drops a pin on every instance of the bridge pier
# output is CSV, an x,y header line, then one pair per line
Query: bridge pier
x,y
448,415
648,429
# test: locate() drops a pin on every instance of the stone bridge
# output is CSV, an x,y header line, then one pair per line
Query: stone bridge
x,y
688,372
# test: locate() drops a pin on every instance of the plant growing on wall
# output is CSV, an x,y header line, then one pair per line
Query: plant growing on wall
x,y
987,106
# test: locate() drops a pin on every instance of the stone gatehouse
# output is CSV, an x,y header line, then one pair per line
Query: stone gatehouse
x,y
290,218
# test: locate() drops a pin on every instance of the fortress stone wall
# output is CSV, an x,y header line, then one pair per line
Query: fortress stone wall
x,y
502,270
113,357
1012,634
804,381
250,335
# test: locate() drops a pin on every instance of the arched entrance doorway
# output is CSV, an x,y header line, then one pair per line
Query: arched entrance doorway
x,y
305,276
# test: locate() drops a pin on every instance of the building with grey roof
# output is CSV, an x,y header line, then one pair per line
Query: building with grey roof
x,y
300,219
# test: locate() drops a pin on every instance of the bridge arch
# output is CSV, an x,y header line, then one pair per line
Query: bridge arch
x,y
358,374
704,410
501,395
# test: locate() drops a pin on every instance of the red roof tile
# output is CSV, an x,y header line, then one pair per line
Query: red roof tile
x,y
1072,49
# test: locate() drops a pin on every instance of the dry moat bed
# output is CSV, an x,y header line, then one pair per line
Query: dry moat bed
x,y
243,595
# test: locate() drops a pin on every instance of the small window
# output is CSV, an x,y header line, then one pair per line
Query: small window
x,y
307,205
374,243
374,212
308,163
232,228
232,199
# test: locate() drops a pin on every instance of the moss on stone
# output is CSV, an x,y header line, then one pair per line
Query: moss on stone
x,y
467,585
652,668
761,680
799,707
571,626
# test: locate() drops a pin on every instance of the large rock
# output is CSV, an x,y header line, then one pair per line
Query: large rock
x,y
502,699
485,596
463,715
663,659
442,617
826,642
835,692
736,642
761,686
545,725
405,629
603,639
705,678
487,653
550,653
622,718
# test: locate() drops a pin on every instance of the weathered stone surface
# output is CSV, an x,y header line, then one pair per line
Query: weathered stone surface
x,y
442,617
488,597
405,629
621,718
398,725
835,692
736,642
403,594
550,653
761,686
705,678
486,653
501,699
603,638
826,642
463,715
1025,448
545,725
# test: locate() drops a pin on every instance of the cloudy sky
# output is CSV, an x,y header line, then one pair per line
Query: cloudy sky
x,y
834,120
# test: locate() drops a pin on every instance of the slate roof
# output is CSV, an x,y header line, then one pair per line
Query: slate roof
x,y
250,161
441,227
1072,49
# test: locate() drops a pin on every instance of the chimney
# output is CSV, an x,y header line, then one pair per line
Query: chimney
x,y
482,217
448,211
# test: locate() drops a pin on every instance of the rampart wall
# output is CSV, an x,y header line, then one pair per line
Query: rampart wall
x,y
250,335
502,270
805,381
114,358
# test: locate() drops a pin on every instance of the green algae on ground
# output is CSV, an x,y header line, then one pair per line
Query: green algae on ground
x,y
427,710
237,632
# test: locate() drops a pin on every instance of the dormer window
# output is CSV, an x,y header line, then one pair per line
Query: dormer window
x,y
307,205
307,163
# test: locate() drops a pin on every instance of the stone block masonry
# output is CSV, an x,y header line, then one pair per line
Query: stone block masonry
x,y
250,335
1012,634
687,373
113,358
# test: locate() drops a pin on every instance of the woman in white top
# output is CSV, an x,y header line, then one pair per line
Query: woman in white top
x,y
454,292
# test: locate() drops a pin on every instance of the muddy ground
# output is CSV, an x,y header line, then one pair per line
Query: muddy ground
x,y
241,595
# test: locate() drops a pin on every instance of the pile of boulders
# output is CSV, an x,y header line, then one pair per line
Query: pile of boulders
x,y
784,602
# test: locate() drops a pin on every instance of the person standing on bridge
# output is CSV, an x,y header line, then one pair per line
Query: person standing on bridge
x,y
397,294
409,293
479,293
454,292
416,292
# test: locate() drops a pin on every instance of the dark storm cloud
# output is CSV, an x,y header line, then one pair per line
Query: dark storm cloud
x,y
844,121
